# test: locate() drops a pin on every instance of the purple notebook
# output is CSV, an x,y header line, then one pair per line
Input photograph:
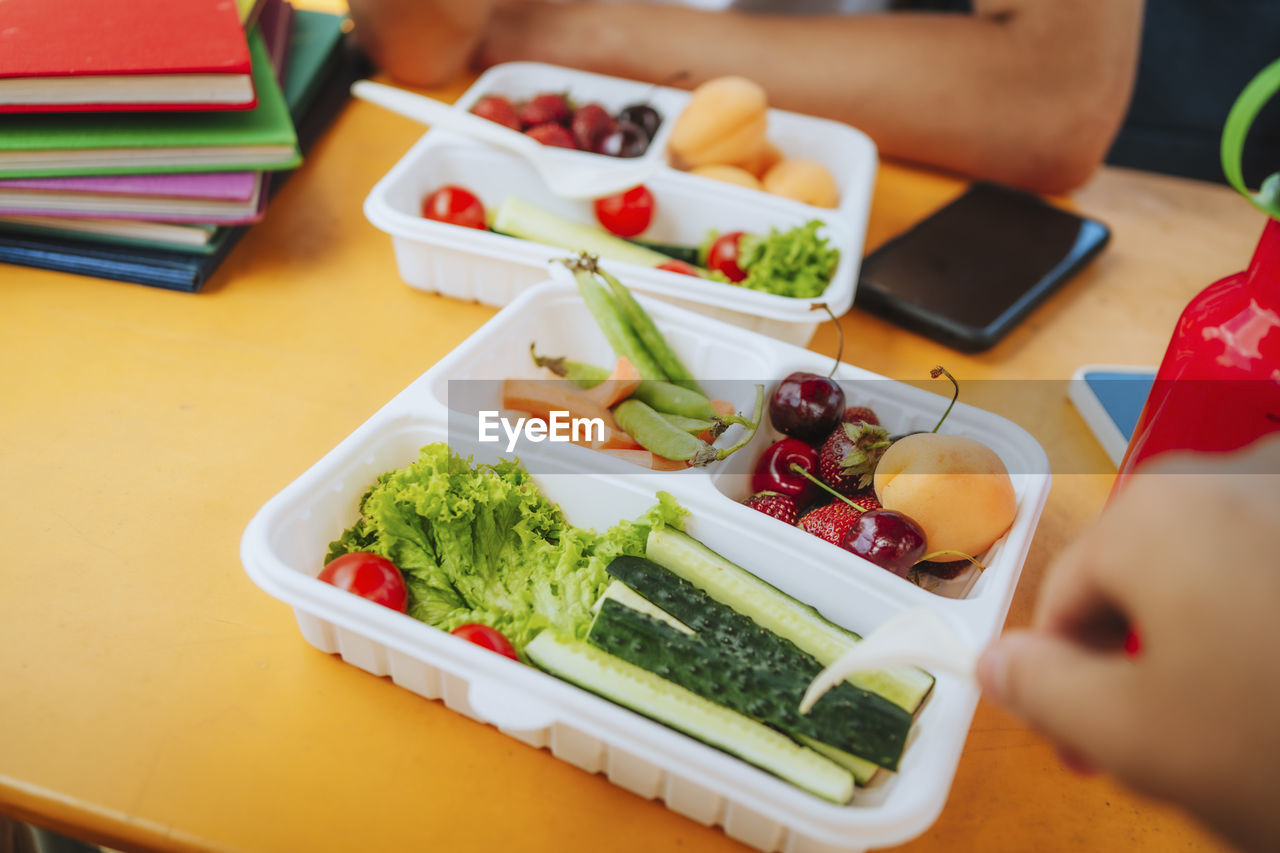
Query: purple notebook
x,y
222,197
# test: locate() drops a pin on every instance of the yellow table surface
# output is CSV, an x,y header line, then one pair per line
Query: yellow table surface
x,y
151,697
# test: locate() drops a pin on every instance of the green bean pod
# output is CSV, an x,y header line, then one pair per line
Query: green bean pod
x,y
609,317
675,400
655,434
647,331
578,372
693,426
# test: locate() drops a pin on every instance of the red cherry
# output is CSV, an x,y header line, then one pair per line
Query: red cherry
x,y
806,406
773,470
887,538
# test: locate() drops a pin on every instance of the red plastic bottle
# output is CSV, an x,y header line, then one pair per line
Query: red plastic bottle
x,y
1218,388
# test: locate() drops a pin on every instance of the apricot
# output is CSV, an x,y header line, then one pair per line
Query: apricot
x,y
955,488
724,122
803,180
763,160
729,174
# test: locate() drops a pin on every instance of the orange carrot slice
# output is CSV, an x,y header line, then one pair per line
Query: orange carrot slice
x,y
647,459
620,385
540,397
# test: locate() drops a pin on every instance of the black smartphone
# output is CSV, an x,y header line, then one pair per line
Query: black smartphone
x,y
970,272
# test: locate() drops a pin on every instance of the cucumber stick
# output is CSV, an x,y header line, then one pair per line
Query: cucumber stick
x,y
626,596
774,610
645,580
760,682
518,218
655,697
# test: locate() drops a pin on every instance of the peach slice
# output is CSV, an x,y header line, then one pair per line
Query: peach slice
x,y
955,488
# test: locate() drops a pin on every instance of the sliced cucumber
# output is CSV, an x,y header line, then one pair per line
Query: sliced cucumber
x,y
766,689
655,697
774,610
689,254
628,597
518,218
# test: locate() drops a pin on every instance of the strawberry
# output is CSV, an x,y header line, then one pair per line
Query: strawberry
x,y
775,505
499,109
849,456
853,414
552,134
541,109
830,522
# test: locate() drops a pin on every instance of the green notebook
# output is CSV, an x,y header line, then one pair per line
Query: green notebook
x,y
263,138
312,53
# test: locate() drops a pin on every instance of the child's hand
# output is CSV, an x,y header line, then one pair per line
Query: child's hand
x,y
1188,555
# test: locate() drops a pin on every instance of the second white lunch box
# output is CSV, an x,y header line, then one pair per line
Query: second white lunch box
x,y
493,268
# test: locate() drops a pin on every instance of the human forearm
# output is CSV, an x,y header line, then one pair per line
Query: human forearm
x,y
1029,92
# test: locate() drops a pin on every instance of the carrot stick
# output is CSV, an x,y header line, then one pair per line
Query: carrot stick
x,y
647,459
620,385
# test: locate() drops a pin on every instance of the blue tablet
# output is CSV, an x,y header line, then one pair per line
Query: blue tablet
x,y
1110,399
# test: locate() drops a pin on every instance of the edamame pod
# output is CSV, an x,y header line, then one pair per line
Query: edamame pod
x,y
655,434
675,400
647,331
693,426
626,344
578,372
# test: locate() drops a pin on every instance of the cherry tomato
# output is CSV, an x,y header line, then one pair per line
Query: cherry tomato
x,y
723,256
678,266
455,205
485,637
368,576
627,213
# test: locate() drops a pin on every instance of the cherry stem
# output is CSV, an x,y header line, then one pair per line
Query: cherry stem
x,y
795,466
928,557
839,337
940,371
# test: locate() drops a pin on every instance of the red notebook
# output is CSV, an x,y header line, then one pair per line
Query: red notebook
x,y
78,55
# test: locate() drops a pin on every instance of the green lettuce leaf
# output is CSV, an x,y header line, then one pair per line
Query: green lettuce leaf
x,y
481,543
796,262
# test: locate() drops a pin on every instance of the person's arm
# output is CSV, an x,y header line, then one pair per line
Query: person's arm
x,y
1027,92
420,42
1187,556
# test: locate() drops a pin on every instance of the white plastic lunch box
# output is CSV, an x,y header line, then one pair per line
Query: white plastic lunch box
x,y
285,544
493,269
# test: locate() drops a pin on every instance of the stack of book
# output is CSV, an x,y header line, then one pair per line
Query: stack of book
x,y
140,138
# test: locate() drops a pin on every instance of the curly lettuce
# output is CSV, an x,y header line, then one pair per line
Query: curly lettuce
x,y
481,543
797,262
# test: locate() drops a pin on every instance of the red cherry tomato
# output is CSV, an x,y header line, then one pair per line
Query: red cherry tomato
x,y
627,213
723,256
456,206
678,266
485,637
368,576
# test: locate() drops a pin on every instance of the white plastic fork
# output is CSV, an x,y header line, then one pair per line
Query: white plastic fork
x,y
916,637
563,177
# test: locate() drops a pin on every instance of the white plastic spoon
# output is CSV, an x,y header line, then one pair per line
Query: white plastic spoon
x,y
916,637
564,178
